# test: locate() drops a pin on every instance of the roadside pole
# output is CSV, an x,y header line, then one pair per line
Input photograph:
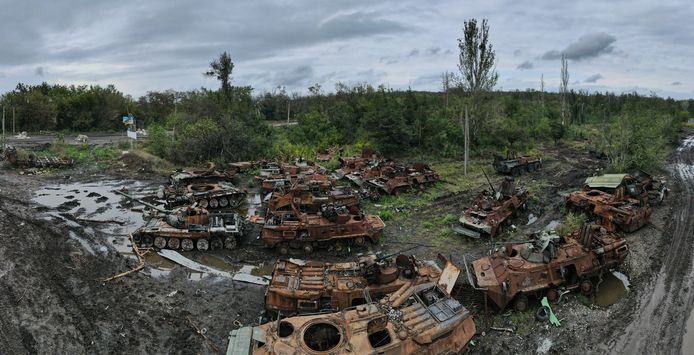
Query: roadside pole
x,y
3,123
467,139
13,132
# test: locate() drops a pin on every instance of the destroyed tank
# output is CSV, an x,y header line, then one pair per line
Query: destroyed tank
x,y
209,175
334,226
547,264
491,211
187,228
516,165
309,199
618,201
209,195
317,182
416,319
9,153
300,287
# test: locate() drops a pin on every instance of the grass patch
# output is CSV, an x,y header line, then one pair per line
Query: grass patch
x,y
572,222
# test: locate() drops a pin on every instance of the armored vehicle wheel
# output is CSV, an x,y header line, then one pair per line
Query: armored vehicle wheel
x,y
223,202
187,244
537,165
233,202
586,287
137,238
146,241
521,303
174,243
160,242
515,171
214,203
216,243
308,248
284,249
230,243
203,203
359,241
339,247
202,244
542,314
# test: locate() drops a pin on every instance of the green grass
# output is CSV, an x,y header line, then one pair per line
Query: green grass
x,y
572,222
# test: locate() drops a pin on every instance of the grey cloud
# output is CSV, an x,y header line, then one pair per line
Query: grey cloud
x,y
448,51
525,65
676,83
517,52
427,79
413,53
387,60
588,46
295,77
433,50
39,71
358,24
593,78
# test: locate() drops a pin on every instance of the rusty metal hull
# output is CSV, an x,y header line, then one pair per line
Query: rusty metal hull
x,y
489,213
616,214
309,200
523,270
419,319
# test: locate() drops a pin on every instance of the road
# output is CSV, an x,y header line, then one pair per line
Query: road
x,y
663,323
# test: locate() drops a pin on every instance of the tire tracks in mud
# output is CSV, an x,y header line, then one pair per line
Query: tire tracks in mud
x,y
659,322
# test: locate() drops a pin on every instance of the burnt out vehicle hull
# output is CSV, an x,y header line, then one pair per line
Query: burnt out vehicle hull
x,y
9,153
310,201
209,195
308,231
194,229
419,319
490,213
519,271
516,165
625,215
301,287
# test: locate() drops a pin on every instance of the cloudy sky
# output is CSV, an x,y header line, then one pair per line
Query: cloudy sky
x,y
140,46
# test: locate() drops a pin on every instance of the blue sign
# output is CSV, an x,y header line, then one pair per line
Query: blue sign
x,y
128,119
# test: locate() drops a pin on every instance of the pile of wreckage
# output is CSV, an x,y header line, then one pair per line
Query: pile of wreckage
x,y
394,304
307,210
375,175
9,154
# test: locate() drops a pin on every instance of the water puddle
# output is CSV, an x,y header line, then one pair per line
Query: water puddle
x,y
612,288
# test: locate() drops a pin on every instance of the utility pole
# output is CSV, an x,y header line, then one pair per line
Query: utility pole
x,y
13,132
3,123
289,108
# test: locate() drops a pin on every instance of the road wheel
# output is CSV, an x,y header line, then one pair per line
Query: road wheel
x,y
160,242
203,203
214,203
339,247
586,287
187,244
542,314
537,166
223,202
216,243
521,303
359,241
146,241
202,244
515,171
308,248
230,243
284,249
137,238
174,243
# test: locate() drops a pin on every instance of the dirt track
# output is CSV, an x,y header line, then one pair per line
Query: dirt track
x,y
662,321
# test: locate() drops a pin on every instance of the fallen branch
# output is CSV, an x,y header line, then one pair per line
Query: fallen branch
x,y
101,221
502,329
140,257
202,334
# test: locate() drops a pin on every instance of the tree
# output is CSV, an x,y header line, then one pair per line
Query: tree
x,y
476,59
221,69
563,89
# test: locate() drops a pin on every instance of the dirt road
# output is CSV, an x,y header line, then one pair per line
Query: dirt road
x,y
663,321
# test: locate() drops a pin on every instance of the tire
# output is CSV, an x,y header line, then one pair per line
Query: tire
x,y
160,242
308,248
214,203
223,202
203,203
146,241
284,249
586,287
521,303
542,314
515,171
216,243
359,241
202,244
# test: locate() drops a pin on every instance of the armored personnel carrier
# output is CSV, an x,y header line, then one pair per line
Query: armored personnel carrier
x,y
516,165
333,226
187,228
415,319
299,287
492,210
547,263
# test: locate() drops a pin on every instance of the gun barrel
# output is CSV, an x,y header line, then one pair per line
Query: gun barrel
x,y
397,253
489,182
147,204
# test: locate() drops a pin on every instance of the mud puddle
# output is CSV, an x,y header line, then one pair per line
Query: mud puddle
x,y
614,286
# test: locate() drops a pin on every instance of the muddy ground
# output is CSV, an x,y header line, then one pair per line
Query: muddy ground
x,y
55,256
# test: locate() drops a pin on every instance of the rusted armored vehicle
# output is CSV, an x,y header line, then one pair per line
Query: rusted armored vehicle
x,y
618,201
490,211
333,227
328,153
209,195
9,153
210,175
516,165
300,287
317,182
547,263
415,319
187,228
310,200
